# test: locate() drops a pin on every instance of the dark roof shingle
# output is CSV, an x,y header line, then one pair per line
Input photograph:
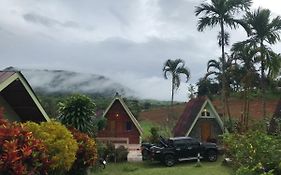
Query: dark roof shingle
x,y
188,116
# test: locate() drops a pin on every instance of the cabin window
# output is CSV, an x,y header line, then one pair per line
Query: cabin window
x,y
205,113
128,126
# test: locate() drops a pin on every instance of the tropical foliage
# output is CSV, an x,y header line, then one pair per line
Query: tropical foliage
x,y
175,68
254,152
20,152
109,152
61,145
78,111
263,33
86,155
221,12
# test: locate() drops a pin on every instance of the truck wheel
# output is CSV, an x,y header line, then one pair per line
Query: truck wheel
x,y
212,156
169,160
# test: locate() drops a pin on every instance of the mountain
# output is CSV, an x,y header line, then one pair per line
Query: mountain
x,y
67,82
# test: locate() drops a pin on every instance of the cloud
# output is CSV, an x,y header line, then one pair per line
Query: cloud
x,y
50,22
131,39
38,19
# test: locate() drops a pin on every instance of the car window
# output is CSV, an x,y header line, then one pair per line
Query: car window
x,y
180,142
193,142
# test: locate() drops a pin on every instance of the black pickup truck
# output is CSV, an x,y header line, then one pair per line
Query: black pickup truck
x,y
179,149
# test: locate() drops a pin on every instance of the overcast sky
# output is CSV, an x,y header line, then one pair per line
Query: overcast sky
x,y
126,40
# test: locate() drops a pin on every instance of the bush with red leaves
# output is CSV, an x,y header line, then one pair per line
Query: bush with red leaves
x,y
86,155
20,152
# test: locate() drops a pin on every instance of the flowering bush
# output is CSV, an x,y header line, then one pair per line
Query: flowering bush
x,y
255,152
20,152
86,155
59,142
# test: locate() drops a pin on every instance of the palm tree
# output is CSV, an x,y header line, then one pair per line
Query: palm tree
x,y
221,12
222,73
246,56
264,31
175,68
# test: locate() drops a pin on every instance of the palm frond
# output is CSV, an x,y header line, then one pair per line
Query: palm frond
x,y
212,73
205,8
234,5
207,22
185,71
213,64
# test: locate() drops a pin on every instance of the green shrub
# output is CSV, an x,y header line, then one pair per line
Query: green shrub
x,y
112,154
101,148
109,152
20,152
61,145
121,154
78,111
254,151
154,138
86,155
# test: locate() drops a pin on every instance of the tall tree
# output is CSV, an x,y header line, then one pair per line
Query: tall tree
x,y
222,13
175,68
264,31
246,58
78,111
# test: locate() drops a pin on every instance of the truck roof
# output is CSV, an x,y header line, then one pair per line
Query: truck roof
x,y
179,138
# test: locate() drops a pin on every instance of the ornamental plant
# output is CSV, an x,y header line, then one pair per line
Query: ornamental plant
x,y
255,152
61,145
86,155
78,111
20,152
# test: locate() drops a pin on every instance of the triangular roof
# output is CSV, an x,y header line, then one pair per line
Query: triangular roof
x,y
134,120
191,114
14,88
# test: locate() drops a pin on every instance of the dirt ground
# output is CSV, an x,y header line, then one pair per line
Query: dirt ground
x,y
159,115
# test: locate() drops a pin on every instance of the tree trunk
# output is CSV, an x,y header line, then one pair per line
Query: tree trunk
x,y
226,109
173,88
169,116
248,109
244,108
263,85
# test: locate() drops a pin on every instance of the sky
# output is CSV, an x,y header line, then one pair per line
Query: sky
x,y
125,40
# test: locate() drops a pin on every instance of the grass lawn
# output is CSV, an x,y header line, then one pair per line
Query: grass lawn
x,y
146,126
155,168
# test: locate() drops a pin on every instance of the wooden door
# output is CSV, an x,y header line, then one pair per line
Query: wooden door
x,y
112,128
206,130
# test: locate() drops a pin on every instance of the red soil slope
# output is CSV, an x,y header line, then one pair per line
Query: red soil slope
x,y
159,115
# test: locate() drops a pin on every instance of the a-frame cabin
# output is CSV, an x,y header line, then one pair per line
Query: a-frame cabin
x,y
122,127
199,120
18,99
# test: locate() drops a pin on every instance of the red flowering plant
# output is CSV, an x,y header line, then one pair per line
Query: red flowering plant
x,y
86,155
20,152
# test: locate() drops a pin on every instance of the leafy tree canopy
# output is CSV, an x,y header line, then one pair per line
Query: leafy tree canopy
x,y
78,111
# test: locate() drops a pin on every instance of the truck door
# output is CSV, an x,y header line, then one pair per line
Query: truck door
x,y
181,148
192,148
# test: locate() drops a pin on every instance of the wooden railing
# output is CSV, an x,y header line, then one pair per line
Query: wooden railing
x,y
114,140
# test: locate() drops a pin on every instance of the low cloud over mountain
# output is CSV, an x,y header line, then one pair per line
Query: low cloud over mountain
x,y
61,81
